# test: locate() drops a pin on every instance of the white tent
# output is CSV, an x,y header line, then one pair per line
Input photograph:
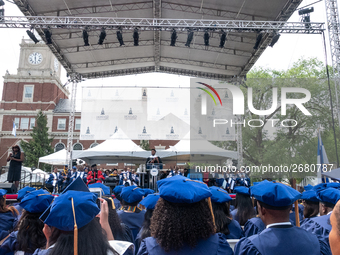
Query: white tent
x,y
118,148
196,150
58,158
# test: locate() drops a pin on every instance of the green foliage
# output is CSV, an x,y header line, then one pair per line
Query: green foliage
x,y
39,145
144,144
277,145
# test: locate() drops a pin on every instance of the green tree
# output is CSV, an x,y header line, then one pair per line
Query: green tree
x,y
39,145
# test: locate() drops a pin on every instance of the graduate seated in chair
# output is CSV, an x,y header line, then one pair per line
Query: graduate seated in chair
x,y
274,202
54,181
311,205
244,209
21,194
183,222
8,216
29,235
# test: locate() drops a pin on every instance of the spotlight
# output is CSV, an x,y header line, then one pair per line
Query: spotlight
x,y
223,38
135,37
206,38
86,38
120,37
306,11
48,36
102,36
258,40
32,36
274,40
190,37
173,38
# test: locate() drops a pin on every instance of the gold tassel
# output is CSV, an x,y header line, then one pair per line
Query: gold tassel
x,y
75,240
212,213
297,218
113,204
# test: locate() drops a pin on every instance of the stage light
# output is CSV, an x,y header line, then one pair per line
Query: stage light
x,y
32,36
135,37
173,38
86,38
48,36
102,36
223,38
258,41
274,40
120,37
190,37
206,38
306,11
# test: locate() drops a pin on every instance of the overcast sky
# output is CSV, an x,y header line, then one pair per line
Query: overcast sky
x,y
285,52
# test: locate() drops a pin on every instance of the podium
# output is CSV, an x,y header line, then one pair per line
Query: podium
x,y
149,174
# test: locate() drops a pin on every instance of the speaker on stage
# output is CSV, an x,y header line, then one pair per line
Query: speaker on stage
x,y
10,187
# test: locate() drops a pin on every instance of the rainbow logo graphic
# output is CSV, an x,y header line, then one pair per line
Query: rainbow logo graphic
x,y
209,93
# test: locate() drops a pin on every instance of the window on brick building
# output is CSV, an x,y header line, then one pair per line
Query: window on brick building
x,y
17,121
77,125
61,124
77,147
24,123
59,146
28,91
32,123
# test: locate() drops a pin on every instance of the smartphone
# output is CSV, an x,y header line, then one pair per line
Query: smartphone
x,y
99,192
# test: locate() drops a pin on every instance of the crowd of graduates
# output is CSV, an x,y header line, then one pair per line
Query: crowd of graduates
x,y
186,216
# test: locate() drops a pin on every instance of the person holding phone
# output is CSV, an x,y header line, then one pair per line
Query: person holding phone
x,y
16,157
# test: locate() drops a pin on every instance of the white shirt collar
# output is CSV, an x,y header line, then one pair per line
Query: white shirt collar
x,y
329,212
278,224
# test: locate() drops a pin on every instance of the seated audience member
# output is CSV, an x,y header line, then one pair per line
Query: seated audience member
x,y
311,205
149,202
224,223
130,214
21,194
119,230
320,226
8,216
334,235
29,235
253,226
117,200
125,177
81,173
183,221
244,209
71,227
54,180
274,202
94,176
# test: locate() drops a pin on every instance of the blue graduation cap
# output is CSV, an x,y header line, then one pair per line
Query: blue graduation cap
x,y
335,185
329,195
22,193
105,189
37,201
308,187
70,208
131,194
78,185
118,189
148,191
274,194
2,192
255,183
74,167
150,201
319,187
242,190
310,195
179,189
219,195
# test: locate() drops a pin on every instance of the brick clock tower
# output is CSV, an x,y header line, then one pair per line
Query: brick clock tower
x,y
36,86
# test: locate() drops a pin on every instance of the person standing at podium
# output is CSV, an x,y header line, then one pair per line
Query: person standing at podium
x,y
16,157
153,159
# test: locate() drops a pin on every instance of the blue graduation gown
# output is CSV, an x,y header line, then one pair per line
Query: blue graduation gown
x,y
9,245
235,229
253,226
7,222
214,245
319,226
279,241
133,220
234,214
117,203
42,252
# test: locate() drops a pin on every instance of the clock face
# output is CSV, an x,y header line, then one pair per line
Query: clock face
x,y
35,58
56,64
